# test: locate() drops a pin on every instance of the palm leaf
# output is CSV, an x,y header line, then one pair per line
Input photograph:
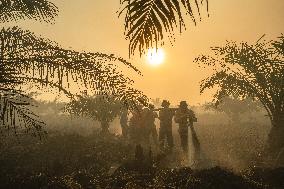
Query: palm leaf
x,y
40,10
249,70
16,115
33,58
146,21
100,108
28,59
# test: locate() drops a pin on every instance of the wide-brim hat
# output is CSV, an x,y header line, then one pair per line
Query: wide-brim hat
x,y
165,103
183,104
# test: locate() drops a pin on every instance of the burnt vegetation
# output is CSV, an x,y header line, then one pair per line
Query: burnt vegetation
x,y
237,141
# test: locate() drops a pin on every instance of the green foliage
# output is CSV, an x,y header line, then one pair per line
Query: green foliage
x,y
15,112
100,108
39,10
234,107
147,21
28,59
249,70
38,60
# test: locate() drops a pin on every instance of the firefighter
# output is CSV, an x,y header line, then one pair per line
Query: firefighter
x,y
148,122
136,125
185,118
165,133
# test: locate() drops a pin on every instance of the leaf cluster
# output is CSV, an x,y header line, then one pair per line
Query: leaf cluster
x,y
16,116
100,108
248,70
39,10
147,21
28,59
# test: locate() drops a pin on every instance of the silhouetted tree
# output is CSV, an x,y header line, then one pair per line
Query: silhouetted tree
x,y
251,70
28,59
40,10
100,108
234,107
147,21
14,104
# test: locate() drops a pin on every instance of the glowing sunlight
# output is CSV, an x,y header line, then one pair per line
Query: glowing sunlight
x,y
155,56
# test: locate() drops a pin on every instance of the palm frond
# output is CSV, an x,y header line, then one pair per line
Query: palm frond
x,y
100,108
279,45
249,70
147,21
26,58
40,10
33,57
16,115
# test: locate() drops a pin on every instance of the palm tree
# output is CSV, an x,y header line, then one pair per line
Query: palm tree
x,y
28,59
251,70
147,21
234,107
40,10
100,108
13,103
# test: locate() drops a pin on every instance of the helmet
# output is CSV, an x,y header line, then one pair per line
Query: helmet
x,y
183,104
165,103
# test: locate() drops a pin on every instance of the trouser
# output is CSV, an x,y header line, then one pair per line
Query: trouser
x,y
183,133
166,134
105,127
124,130
154,134
135,134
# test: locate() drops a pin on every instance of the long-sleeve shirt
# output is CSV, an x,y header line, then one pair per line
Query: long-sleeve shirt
x,y
184,116
166,116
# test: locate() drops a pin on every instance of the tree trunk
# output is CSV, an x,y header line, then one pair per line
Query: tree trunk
x,y
276,136
105,127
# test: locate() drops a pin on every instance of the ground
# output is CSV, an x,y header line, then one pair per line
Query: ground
x,y
73,161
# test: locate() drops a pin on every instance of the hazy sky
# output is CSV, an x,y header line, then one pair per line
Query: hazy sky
x,y
93,25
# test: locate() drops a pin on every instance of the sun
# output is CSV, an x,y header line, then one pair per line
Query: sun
x,y
155,56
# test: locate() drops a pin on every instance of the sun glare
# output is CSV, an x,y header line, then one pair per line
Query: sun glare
x,y
155,56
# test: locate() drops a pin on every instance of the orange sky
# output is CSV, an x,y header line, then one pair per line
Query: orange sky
x,y
92,25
